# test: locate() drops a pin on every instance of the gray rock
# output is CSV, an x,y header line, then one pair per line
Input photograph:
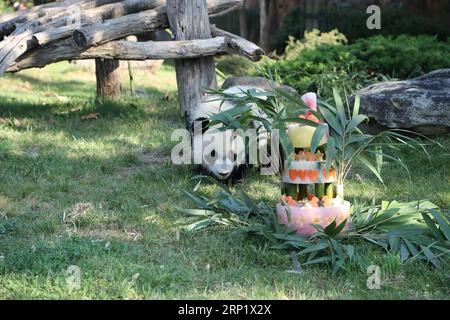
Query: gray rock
x,y
421,104
257,82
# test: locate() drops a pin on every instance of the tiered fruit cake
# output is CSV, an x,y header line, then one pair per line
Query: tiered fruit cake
x,y
308,196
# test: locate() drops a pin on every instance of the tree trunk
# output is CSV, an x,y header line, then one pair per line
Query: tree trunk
x,y
312,8
189,20
108,80
268,24
243,23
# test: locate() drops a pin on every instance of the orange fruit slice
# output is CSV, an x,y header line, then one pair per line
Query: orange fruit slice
x,y
293,174
314,202
326,201
313,175
291,201
302,174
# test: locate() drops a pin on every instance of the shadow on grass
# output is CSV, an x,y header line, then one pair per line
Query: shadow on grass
x,y
70,88
68,117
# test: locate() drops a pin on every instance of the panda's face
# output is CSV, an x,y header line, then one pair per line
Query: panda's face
x,y
221,151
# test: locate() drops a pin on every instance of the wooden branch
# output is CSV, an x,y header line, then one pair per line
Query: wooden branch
x,y
21,40
49,38
8,16
144,21
115,10
102,13
46,13
239,45
154,50
121,50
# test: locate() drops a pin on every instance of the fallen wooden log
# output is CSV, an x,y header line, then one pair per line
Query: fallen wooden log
x,y
121,50
144,21
21,39
239,45
115,10
61,25
68,50
94,15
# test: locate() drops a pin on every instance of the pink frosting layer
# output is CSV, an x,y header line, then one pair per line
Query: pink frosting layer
x,y
302,218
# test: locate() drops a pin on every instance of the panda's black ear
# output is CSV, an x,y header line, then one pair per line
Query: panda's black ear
x,y
200,125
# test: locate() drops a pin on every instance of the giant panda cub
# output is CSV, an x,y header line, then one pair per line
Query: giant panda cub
x,y
222,151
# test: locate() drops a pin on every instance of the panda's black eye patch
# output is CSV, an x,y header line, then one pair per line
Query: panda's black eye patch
x,y
213,153
200,125
234,157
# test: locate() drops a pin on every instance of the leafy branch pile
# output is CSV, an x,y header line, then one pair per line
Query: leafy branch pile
x,y
414,231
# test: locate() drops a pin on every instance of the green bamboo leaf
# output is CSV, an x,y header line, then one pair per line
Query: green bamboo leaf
x,y
329,230
358,138
294,99
338,266
337,248
350,251
364,160
356,106
233,112
195,212
356,121
257,93
444,225
431,257
340,110
201,203
330,152
332,120
315,247
432,227
196,226
317,261
412,248
302,121
293,238
224,187
404,252
377,242
341,227
286,144
326,105
394,243
317,137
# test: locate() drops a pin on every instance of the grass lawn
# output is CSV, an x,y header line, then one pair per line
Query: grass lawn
x,y
115,173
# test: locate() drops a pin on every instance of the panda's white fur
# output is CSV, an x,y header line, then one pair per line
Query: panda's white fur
x,y
223,157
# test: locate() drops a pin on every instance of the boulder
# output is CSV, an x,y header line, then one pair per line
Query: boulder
x,y
258,82
421,104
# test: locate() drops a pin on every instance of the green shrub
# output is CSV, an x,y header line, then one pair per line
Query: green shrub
x,y
352,23
403,56
311,40
366,61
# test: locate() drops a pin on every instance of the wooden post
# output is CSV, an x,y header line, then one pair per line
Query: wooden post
x,y
268,24
108,80
189,20
243,27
